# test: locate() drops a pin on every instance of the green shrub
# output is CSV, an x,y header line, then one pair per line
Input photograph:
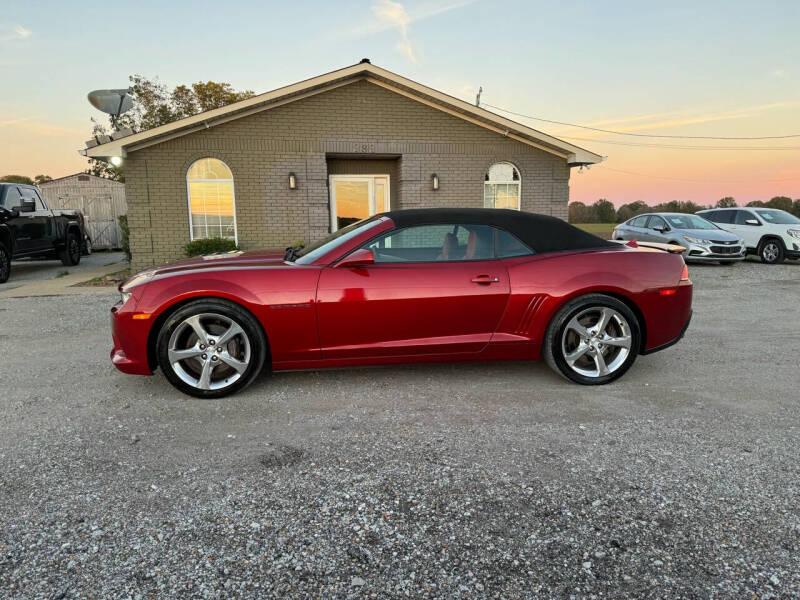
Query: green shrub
x,y
125,243
210,246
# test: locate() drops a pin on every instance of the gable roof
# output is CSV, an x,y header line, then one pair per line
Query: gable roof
x,y
81,174
364,70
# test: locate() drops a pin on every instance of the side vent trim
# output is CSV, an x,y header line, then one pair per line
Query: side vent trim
x,y
527,315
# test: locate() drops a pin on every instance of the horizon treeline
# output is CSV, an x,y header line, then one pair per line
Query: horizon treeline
x,y
603,211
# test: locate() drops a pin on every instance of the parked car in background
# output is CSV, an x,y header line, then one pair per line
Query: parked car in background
x,y
421,285
29,229
703,240
770,233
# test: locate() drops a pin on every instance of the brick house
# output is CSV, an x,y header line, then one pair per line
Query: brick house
x,y
300,161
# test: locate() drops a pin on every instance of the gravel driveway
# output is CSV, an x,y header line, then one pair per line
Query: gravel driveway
x,y
469,481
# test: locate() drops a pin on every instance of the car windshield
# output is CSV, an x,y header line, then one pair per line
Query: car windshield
x,y
689,222
309,254
778,217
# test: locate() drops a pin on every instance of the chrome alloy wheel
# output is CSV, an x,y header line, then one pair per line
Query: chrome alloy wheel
x,y
596,341
770,252
209,351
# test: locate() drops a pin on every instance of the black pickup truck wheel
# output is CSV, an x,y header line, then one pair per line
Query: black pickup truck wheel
x,y
71,254
5,263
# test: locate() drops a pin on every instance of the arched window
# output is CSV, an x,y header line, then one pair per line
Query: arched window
x,y
212,208
501,186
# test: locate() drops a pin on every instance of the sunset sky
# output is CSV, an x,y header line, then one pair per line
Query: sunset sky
x,y
728,69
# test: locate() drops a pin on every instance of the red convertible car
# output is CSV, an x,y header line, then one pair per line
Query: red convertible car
x,y
406,286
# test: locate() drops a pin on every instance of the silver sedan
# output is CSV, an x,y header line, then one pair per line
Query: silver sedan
x,y
704,241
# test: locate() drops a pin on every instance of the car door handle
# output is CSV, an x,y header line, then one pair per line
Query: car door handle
x,y
485,279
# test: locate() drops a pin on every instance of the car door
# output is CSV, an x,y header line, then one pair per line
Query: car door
x,y
19,222
433,289
747,226
38,224
655,228
638,228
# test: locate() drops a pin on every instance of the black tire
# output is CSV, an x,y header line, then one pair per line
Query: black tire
x,y
553,348
86,249
770,251
191,368
71,254
5,263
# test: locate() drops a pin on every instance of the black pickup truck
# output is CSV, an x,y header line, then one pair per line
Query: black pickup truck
x,y
28,228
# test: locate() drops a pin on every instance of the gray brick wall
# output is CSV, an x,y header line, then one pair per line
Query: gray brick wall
x,y
360,119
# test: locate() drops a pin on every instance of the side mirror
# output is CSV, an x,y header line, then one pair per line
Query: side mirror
x,y
752,222
661,229
360,258
27,206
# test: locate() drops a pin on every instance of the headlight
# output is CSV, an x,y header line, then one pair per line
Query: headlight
x,y
125,296
692,240
795,233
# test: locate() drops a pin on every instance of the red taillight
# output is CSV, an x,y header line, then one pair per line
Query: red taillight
x,y
668,292
685,273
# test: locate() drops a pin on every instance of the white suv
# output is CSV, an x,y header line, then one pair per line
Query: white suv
x,y
771,233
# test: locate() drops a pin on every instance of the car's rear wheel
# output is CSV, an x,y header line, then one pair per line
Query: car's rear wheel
x,y
5,264
211,348
71,254
771,252
592,340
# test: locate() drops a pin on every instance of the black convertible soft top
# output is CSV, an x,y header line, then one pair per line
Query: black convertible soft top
x,y
542,233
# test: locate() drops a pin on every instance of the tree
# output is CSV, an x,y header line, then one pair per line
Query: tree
x,y
726,202
578,212
780,202
796,208
154,104
604,211
16,179
40,179
756,203
626,211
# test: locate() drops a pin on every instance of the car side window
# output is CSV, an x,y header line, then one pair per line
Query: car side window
x,y
638,221
13,199
719,216
656,222
742,216
508,245
38,199
29,194
434,243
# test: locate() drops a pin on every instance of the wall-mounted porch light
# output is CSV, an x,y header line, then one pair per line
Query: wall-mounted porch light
x,y
435,182
292,181
116,161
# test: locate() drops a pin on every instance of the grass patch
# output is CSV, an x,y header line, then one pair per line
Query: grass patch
x,y
602,229
112,279
62,274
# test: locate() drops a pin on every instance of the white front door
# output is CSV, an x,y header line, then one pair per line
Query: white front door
x,y
356,197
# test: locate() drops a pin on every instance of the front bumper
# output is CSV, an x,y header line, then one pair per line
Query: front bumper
x,y
129,336
714,252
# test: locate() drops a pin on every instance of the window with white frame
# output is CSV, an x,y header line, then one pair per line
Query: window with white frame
x,y
212,208
501,186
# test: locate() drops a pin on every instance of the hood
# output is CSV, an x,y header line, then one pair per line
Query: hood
x,y
222,260
715,235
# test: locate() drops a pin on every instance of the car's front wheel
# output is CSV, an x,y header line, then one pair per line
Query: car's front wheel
x,y
592,340
211,348
771,252
5,263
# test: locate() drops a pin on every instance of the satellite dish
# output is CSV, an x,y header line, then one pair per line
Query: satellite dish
x,y
112,102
